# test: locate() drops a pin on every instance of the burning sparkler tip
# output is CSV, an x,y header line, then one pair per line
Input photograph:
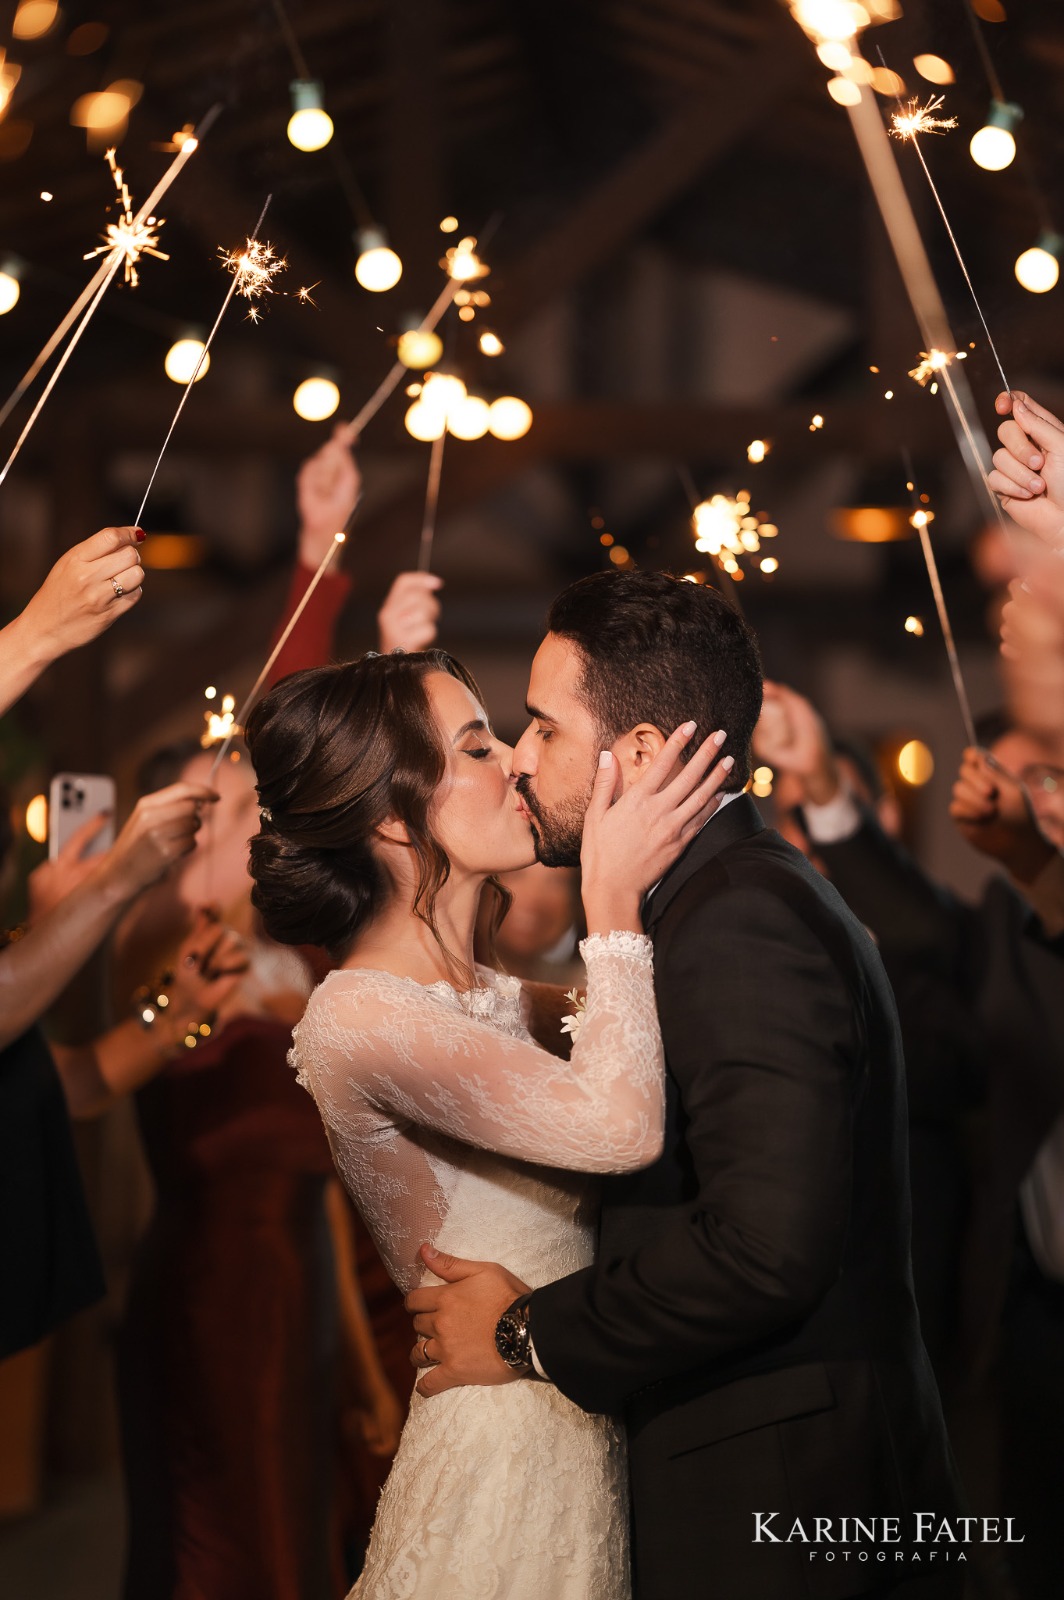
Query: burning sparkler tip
x,y
917,119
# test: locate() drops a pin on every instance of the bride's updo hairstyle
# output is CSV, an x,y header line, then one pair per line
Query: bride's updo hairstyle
x,y
337,751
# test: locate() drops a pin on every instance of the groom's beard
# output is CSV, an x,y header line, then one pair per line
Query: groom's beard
x,y
557,833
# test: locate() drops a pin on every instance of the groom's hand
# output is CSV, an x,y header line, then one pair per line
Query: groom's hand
x,y
455,1322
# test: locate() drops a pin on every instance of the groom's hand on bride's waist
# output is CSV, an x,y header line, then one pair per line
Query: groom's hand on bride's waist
x,y
455,1322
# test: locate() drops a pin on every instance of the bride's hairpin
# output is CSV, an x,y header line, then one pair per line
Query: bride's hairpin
x,y
265,814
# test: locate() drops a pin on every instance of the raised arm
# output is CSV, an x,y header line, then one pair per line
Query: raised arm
x,y
88,589
328,487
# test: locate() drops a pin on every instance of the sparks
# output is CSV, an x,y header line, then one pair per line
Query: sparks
x,y
931,361
221,726
728,529
129,238
254,269
917,119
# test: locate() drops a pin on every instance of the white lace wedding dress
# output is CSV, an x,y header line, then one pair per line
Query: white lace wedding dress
x,y
450,1125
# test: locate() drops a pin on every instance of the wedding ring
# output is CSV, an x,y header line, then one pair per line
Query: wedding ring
x,y
118,589
422,1352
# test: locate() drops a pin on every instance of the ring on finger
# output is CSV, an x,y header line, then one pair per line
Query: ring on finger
x,y
118,589
422,1352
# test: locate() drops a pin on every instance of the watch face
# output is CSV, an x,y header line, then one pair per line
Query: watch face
x,y
511,1339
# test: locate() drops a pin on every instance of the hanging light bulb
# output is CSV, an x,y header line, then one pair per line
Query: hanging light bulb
x,y
10,289
310,126
424,421
1038,268
469,417
993,147
490,343
510,418
419,348
378,267
316,398
182,357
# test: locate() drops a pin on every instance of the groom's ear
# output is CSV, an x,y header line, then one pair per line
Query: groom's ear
x,y
635,750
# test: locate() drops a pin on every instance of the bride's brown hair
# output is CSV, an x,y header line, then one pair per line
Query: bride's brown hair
x,y
337,752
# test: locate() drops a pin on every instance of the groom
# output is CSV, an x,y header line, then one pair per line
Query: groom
x,y
750,1313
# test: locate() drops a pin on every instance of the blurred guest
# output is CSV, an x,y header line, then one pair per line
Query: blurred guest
x,y
245,1316
1006,964
49,1264
942,1050
537,938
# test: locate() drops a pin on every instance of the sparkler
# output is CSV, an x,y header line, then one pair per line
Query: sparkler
x,y
253,270
432,503
130,236
89,299
919,280
917,119
394,377
908,125
931,361
920,519
241,717
220,724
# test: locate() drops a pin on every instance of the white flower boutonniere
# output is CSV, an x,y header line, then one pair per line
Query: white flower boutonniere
x,y
574,1021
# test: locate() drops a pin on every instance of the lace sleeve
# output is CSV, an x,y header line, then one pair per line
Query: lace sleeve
x,y
371,1039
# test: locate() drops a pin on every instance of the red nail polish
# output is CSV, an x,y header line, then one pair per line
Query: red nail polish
x,y
141,535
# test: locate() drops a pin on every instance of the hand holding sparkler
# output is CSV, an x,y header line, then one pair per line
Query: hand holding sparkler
x,y
88,589
992,812
407,619
328,487
791,736
1028,471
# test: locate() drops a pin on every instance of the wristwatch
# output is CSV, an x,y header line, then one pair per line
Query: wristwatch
x,y
513,1336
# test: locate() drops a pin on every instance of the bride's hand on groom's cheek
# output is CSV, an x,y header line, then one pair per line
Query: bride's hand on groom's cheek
x,y
455,1323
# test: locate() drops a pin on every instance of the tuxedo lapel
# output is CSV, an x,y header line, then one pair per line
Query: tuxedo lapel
x,y
739,820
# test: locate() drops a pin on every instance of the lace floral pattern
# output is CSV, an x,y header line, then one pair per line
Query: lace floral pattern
x,y
449,1124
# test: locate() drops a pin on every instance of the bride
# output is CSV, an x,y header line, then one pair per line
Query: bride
x,y
387,805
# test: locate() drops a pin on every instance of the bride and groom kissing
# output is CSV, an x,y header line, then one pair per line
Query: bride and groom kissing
x,y
705,1310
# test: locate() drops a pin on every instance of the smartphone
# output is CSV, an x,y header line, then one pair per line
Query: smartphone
x,y
73,798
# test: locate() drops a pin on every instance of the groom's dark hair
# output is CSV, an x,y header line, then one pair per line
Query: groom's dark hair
x,y
662,649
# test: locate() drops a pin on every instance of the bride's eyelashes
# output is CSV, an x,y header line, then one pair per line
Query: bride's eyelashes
x,y
479,753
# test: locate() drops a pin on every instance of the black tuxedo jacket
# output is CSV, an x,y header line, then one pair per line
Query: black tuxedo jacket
x,y
751,1310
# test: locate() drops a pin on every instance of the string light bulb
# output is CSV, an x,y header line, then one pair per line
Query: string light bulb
x,y
1038,269
316,398
310,126
37,819
425,422
509,417
34,18
419,348
10,288
182,358
378,268
490,343
993,146
469,418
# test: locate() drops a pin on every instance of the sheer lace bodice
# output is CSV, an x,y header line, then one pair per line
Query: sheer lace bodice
x,y
407,1077
448,1123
